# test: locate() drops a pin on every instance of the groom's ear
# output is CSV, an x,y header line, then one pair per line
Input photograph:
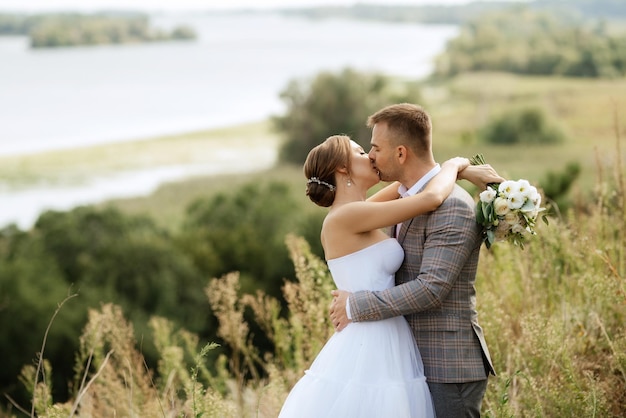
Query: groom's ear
x,y
401,153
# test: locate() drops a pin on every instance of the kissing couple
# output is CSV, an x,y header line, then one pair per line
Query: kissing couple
x,y
407,341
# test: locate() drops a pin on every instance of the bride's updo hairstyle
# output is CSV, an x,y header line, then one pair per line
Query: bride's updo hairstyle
x,y
320,167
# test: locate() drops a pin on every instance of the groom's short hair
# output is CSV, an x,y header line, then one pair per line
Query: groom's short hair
x,y
409,123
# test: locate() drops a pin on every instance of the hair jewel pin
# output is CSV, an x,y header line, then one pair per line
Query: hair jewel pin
x,y
322,182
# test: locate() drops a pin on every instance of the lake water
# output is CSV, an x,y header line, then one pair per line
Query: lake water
x,y
233,73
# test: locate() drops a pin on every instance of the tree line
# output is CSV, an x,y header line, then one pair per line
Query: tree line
x,y
58,30
573,10
524,41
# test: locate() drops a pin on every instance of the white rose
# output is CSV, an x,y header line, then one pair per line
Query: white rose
x,y
488,195
501,206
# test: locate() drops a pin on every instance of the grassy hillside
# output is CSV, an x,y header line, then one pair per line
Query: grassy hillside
x,y
585,109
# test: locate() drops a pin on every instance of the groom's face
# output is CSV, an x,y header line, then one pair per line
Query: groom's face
x,y
383,154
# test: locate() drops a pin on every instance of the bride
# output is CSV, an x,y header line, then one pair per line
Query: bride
x,y
370,369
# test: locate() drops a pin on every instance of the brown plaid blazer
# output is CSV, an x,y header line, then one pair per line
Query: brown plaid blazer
x,y
435,291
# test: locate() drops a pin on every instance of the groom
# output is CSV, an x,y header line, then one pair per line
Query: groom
x,y
435,284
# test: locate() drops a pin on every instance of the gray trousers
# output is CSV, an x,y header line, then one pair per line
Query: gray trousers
x,y
458,400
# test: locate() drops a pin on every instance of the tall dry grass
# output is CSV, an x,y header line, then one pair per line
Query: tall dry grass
x,y
553,314
113,380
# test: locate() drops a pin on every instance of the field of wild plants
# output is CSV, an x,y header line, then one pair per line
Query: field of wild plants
x,y
553,313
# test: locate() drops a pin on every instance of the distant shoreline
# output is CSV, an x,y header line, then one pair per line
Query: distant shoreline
x,y
197,146
63,179
20,150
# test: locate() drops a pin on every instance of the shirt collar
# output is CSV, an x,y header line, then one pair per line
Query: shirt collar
x,y
404,192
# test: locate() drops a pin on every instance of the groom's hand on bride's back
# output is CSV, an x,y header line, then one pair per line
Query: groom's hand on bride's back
x,y
338,314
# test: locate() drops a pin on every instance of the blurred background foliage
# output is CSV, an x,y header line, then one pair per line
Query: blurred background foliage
x,y
334,103
527,126
72,29
524,41
520,85
573,10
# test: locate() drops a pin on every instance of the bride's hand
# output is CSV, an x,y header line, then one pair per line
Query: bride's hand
x,y
461,163
480,175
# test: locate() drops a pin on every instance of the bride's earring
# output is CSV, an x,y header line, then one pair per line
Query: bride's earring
x,y
349,182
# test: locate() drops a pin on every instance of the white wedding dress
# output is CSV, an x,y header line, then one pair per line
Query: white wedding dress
x,y
369,369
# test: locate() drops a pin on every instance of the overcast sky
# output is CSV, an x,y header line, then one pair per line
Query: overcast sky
x,y
156,5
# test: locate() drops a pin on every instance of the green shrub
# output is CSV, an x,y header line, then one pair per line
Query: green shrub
x,y
526,126
334,104
556,186
243,231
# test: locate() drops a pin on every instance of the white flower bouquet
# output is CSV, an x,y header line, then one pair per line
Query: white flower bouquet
x,y
508,211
